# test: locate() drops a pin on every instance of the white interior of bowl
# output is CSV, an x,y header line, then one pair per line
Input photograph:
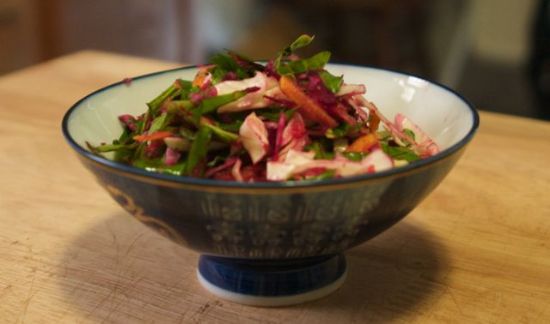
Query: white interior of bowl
x,y
442,114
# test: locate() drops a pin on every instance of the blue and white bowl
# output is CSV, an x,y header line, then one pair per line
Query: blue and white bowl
x,y
274,243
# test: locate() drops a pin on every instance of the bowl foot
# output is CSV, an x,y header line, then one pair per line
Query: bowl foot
x,y
271,282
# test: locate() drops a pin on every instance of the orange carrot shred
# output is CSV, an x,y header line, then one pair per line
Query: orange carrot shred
x,y
374,122
306,105
363,144
200,76
151,137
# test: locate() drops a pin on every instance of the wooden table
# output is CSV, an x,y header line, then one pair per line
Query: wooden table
x,y
476,250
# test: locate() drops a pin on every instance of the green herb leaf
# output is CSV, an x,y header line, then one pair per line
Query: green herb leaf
x,y
354,156
328,174
321,150
409,133
181,107
176,169
273,114
332,82
316,62
198,149
400,152
337,132
156,165
122,151
301,41
184,84
224,63
124,155
209,105
155,104
342,130
159,123
225,136
234,126
125,137
246,62
104,148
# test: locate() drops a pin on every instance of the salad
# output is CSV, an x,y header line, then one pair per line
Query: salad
x,y
289,119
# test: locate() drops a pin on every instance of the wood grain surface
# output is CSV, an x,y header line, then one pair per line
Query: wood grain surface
x,y
477,250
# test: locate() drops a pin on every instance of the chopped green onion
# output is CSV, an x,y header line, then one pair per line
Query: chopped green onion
x,y
198,149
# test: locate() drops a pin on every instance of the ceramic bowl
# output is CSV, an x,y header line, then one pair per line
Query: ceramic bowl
x,y
274,243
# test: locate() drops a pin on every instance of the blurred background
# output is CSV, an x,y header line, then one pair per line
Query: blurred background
x,y
496,53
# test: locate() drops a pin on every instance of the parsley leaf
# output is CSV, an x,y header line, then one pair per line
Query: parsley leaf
x,y
316,62
332,82
400,152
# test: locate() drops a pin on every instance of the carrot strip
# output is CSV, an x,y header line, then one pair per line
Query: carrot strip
x,y
306,105
363,143
200,76
374,122
152,137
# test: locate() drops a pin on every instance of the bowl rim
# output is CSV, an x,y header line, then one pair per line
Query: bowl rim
x,y
275,185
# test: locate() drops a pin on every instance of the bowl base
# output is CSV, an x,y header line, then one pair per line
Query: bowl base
x,y
271,282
